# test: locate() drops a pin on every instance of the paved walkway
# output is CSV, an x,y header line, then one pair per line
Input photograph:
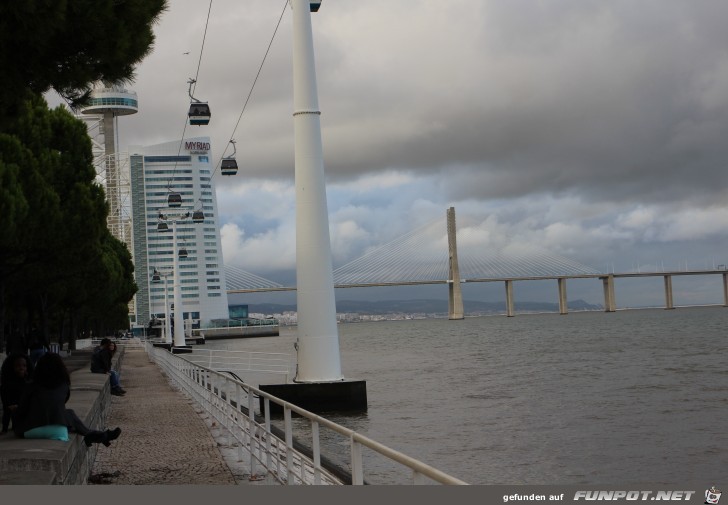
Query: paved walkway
x,y
164,439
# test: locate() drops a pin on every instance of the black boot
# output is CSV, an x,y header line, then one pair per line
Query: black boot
x,y
112,435
101,437
93,437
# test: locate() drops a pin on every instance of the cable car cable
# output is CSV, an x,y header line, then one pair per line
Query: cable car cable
x,y
191,91
250,93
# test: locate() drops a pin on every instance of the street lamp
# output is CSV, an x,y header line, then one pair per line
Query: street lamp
x,y
156,277
179,344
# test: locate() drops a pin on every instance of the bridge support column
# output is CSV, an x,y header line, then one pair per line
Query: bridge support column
x,y
563,303
509,298
725,290
668,292
608,282
455,295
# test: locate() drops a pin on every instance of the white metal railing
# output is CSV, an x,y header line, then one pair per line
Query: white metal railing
x,y
237,323
132,343
86,343
242,362
224,399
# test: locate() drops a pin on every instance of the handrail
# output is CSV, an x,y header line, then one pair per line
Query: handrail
x,y
223,396
243,361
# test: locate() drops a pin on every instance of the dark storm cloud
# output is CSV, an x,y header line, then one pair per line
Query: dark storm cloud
x,y
620,100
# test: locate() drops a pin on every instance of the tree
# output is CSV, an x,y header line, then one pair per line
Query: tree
x,y
58,252
70,44
53,229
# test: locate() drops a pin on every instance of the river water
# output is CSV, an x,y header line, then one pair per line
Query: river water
x,y
636,396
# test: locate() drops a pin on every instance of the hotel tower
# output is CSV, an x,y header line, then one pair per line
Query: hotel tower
x,y
182,168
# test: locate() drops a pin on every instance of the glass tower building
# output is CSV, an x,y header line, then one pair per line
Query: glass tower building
x,y
183,167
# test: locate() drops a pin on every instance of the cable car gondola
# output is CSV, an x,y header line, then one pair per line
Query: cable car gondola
x,y
182,254
229,166
162,227
199,112
155,276
198,216
174,200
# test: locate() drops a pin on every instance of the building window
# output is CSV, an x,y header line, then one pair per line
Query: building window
x,y
167,159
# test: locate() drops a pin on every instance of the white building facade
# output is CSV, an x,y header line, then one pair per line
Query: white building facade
x,y
184,167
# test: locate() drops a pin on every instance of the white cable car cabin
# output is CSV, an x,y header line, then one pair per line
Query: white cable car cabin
x,y
199,114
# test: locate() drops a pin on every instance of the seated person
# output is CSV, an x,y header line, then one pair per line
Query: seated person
x,y
42,411
14,375
101,363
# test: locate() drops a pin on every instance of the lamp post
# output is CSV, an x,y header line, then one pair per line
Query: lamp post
x,y
156,277
178,342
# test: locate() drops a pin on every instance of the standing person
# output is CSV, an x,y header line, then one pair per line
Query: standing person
x,y
42,411
101,363
14,376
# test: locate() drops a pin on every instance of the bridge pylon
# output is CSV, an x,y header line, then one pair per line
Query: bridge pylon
x,y
455,295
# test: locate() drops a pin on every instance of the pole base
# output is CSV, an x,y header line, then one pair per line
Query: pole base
x,y
181,349
163,345
319,397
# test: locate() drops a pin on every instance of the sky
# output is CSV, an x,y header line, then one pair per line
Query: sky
x,y
592,129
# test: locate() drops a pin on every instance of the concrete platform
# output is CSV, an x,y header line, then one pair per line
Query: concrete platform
x,y
319,397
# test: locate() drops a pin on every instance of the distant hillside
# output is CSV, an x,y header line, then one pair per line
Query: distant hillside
x,y
426,306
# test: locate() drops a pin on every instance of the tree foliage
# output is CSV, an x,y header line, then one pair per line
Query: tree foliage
x,y
59,265
70,44
58,260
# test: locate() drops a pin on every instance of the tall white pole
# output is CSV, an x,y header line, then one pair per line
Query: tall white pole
x,y
179,335
318,338
167,327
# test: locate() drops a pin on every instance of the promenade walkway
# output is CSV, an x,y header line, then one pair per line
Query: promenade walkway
x,y
164,438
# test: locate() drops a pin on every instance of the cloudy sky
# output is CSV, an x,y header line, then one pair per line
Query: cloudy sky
x,y
595,129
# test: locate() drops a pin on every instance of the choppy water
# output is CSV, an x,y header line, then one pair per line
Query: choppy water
x,y
636,396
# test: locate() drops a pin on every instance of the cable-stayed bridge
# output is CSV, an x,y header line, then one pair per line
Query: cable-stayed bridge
x,y
421,256
437,254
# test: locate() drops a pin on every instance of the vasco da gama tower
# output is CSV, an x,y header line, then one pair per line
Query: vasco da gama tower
x,y
184,168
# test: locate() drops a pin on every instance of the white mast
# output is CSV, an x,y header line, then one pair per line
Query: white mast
x,y
318,337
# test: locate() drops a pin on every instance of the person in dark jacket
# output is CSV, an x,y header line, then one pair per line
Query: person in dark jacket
x,y
42,411
101,363
14,376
